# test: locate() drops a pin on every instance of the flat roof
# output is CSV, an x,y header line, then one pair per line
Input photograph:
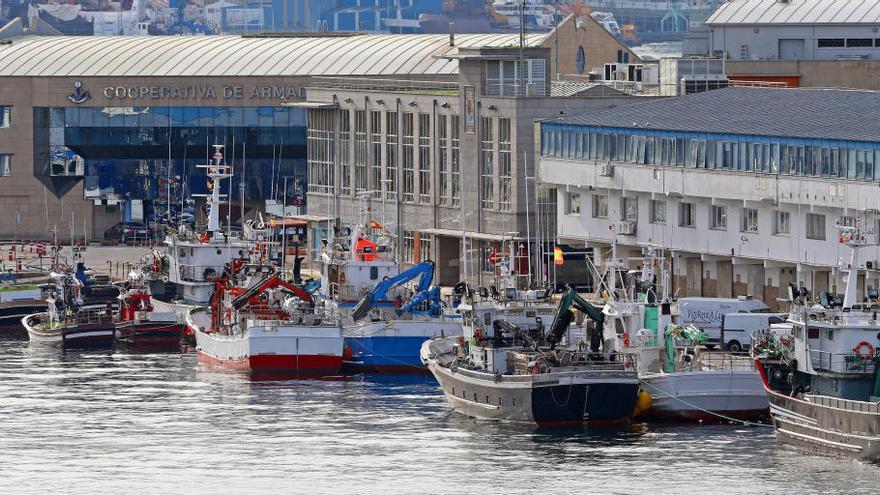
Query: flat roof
x,y
193,56
748,12
803,113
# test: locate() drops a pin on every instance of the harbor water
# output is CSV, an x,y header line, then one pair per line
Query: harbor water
x,y
111,422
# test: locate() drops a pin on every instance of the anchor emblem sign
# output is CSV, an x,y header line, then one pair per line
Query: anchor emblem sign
x,y
79,95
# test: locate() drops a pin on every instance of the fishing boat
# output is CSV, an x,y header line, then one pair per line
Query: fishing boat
x,y
386,313
182,276
139,325
86,328
822,380
684,378
390,322
506,367
259,323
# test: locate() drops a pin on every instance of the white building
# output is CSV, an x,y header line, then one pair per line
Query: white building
x,y
744,187
796,30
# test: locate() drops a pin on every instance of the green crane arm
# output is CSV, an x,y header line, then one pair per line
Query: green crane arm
x,y
563,316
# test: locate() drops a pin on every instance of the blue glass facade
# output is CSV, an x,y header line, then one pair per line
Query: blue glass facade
x,y
126,151
855,160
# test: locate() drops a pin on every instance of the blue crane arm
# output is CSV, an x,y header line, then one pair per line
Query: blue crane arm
x,y
379,293
430,296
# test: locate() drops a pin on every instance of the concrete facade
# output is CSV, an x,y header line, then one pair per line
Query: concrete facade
x,y
728,228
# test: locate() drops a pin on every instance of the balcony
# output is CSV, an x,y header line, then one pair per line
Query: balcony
x,y
515,89
386,85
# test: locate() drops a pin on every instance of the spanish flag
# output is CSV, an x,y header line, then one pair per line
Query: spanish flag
x,y
375,225
557,256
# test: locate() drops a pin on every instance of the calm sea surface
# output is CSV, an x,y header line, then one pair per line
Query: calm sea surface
x,y
112,422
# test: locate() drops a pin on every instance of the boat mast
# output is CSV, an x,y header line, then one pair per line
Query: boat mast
x,y
217,171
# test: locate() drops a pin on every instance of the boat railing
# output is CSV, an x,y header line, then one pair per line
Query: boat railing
x,y
845,404
721,360
844,363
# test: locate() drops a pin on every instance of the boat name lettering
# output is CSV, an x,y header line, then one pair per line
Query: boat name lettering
x,y
199,92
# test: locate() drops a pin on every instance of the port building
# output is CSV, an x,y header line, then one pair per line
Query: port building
x,y
96,130
744,188
809,43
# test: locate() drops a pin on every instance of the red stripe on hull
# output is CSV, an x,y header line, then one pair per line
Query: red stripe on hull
x,y
301,366
691,416
587,422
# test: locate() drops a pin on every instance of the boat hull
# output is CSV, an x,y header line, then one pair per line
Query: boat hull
x,y
152,335
98,335
393,346
712,396
825,425
295,351
546,404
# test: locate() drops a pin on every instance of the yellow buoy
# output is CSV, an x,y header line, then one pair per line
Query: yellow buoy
x,y
643,403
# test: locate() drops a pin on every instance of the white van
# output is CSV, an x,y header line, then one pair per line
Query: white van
x,y
706,313
737,328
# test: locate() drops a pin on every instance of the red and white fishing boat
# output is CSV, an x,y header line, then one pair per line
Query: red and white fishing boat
x,y
267,326
138,324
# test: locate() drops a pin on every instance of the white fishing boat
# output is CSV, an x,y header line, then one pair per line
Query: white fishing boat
x,y
259,323
822,379
191,260
686,380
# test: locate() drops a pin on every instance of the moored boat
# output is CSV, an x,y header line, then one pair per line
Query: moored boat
x,y
822,381
506,371
265,325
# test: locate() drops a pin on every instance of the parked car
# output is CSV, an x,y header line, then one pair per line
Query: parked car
x,y
127,231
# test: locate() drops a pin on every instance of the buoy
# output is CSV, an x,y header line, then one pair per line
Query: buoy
x,y
643,403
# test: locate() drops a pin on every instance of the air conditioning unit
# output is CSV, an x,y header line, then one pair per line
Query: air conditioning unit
x,y
627,227
606,170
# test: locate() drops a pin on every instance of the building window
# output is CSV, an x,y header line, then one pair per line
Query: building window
x,y
815,228
860,42
408,246
391,155
455,132
344,154
505,167
487,164
831,43
658,211
572,204
320,152
376,153
749,220
718,219
409,192
687,215
781,223
600,206
443,158
5,117
424,158
360,150
629,209
424,243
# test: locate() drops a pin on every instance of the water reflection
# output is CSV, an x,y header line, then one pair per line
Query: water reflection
x,y
86,422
